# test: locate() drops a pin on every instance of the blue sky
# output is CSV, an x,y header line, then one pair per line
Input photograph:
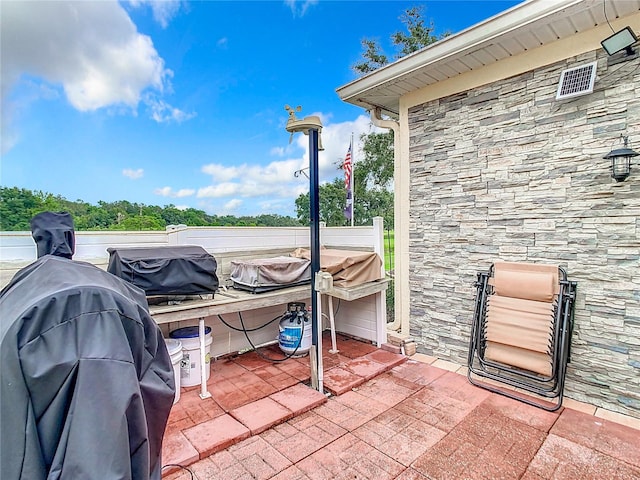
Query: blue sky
x,y
182,103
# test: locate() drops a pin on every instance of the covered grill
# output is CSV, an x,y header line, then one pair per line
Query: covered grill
x,y
347,267
87,382
265,274
174,270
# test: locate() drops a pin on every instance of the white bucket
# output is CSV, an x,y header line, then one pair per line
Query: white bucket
x,y
190,364
174,347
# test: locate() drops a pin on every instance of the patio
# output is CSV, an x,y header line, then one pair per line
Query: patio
x,y
389,417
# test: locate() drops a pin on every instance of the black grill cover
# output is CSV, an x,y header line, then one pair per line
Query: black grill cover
x,y
87,383
175,270
54,234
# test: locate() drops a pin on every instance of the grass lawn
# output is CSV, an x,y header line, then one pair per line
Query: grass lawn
x,y
389,242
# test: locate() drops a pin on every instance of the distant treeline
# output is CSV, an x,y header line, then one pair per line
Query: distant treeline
x,y
19,205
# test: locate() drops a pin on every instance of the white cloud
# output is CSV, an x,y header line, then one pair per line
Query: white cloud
x,y
92,50
163,10
232,205
162,112
184,192
169,192
8,140
277,151
133,174
276,181
272,206
250,180
220,173
223,43
220,190
254,188
299,8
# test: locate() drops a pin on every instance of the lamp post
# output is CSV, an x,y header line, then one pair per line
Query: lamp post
x,y
312,126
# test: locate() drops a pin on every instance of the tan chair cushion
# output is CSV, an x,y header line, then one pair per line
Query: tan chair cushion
x,y
529,281
520,315
519,357
520,323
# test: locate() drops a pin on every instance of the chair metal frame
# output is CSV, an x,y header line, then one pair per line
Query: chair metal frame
x,y
547,387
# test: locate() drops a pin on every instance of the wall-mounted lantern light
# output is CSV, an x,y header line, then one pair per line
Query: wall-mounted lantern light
x,y
621,160
619,41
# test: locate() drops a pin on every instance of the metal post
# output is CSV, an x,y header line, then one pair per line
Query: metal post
x,y
204,393
314,215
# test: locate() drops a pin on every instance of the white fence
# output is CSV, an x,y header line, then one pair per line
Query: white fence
x,y
365,317
17,249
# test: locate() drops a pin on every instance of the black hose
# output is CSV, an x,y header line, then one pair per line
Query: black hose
x,y
263,356
250,329
180,466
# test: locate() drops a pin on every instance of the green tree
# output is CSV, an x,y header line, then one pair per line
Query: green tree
x,y
332,198
376,167
94,218
417,36
372,57
18,206
274,220
369,203
140,222
174,216
373,174
373,203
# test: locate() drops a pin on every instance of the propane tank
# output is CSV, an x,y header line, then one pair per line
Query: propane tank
x,y
295,331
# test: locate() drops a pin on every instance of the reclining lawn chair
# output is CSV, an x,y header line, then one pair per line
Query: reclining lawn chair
x,y
521,332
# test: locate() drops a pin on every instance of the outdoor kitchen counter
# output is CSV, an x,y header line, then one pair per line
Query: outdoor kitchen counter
x,y
234,300
230,301
359,291
223,302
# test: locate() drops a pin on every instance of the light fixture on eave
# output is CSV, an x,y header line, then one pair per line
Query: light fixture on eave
x,y
619,46
621,160
621,40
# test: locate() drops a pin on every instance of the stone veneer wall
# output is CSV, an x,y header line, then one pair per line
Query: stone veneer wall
x,y
507,172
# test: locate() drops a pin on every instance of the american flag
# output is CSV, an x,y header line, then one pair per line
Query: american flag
x,y
347,165
347,169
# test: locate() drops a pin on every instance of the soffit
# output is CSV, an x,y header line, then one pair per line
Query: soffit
x,y
524,27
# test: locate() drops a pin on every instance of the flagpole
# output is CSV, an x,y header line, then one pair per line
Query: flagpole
x,y
353,172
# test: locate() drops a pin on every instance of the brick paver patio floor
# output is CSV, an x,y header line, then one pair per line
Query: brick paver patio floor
x,y
411,421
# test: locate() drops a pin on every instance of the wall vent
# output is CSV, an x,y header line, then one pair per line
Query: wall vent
x,y
577,81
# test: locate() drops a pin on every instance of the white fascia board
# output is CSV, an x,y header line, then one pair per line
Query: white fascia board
x,y
516,17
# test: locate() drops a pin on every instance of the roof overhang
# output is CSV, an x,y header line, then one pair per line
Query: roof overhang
x,y
524,27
